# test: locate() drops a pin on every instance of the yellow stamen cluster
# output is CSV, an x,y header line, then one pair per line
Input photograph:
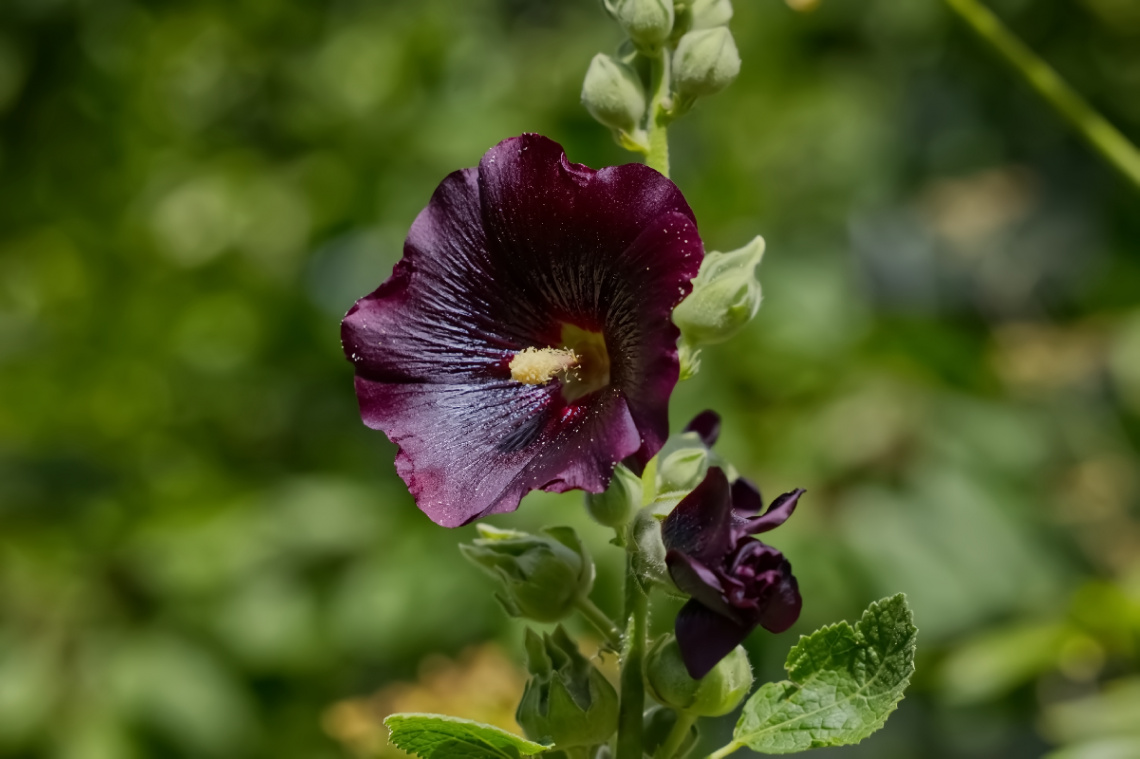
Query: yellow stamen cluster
x,y
537,366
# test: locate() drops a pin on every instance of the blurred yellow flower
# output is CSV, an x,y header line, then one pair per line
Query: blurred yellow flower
x,y
803,5
482,685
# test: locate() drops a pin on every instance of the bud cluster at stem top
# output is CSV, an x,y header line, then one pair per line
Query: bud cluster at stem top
x,y
676,51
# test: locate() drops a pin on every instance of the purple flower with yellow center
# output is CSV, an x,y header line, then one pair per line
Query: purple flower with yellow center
x,y
737,583
524,341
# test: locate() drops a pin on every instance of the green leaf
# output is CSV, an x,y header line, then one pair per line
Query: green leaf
x,y
845,682
437,736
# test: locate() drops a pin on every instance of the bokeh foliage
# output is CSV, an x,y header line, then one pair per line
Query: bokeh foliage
x,y
201,548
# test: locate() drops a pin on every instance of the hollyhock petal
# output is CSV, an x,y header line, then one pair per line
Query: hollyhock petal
x,y
701,524
755,554
707,425
706,637
777,513
513,257
710,588
746,498
784,605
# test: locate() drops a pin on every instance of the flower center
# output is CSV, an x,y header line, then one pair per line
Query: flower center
x,y
537,366
582,363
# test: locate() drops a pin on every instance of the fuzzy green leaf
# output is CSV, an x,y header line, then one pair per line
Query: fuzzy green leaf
x,y
844,683
437,736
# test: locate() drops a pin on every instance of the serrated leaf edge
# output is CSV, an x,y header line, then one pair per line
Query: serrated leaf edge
x,y
911,636
524,746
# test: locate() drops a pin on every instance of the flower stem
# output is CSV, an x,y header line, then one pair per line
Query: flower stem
x,y
632,667
1113,146
726,750
676,736
600,621
658,155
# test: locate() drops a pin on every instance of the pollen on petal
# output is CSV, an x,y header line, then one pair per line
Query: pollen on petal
x,y
537,366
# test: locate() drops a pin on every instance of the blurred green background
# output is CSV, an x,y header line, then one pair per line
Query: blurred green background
x,y
203,553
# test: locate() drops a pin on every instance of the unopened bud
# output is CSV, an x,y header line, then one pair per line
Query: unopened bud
x,y
621,500
613,93
542,576
683,469
647,22
567,701
726,295
706,62
710,13
717,693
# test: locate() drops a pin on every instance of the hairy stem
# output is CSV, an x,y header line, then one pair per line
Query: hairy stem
x,y
676,737
632,667
600,621
658,155
1113,146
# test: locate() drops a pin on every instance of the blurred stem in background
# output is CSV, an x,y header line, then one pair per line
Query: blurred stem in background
x,y
1103,136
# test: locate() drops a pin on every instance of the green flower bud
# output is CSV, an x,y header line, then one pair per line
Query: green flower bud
x,y
542,575
717,693
567,701
655,727
622,498
647,22
613,94
726,295
709,13
706,62
682,469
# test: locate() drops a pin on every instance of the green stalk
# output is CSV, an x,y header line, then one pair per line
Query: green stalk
x,y
726,750
658,119
1113,146
676,737
632,668
600,621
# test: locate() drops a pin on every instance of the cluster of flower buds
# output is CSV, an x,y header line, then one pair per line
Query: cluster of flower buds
x,y
567,701
687,43
543,577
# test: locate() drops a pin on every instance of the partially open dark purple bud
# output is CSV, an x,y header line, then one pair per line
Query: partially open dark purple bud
x,y
707,425
524,341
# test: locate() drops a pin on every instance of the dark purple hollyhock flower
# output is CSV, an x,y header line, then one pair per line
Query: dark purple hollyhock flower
x,y
736,582
524,340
